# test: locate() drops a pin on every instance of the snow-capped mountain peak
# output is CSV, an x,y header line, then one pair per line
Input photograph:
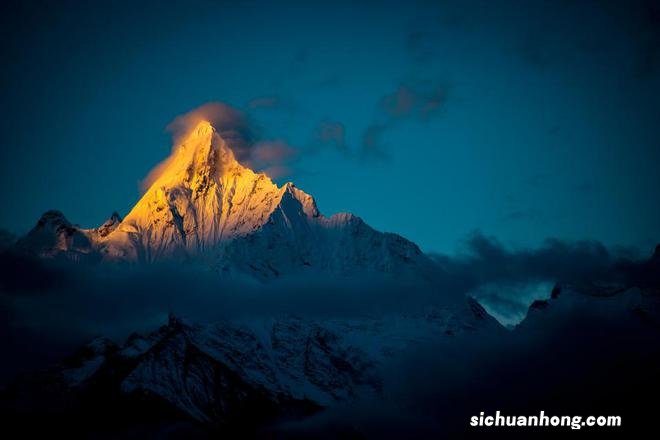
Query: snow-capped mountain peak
x,y
202,202
200,196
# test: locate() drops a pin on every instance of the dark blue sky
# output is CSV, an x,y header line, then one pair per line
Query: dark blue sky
x,y
524,120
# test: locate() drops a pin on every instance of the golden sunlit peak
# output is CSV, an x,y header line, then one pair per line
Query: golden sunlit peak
x,y
202,128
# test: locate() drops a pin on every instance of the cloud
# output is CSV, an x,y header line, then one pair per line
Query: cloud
x,y
484,259
332,133
372,142
82,301
410,101
228,121
501,276
415,101
277,171
28,275
271,151
400,103
271,157
56,307
264,102
239,133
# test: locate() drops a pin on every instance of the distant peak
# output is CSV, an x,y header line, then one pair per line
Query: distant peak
x,y
175,322
52,217
52,213
110,224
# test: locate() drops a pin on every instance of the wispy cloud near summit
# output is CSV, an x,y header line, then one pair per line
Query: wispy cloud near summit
x,y
235,128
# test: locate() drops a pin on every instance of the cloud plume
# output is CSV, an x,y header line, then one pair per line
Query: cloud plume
x,y
418,101
332,133
238,131
264,102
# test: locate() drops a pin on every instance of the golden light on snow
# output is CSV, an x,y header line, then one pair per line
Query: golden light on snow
x,y
199,196
202,130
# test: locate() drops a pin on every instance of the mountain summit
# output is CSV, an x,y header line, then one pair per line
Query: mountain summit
x,y
203,204
202,196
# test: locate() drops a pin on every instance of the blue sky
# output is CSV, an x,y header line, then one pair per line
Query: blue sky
x,y
524,120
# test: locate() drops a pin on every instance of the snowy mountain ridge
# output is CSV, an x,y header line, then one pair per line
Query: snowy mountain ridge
x,y
203,204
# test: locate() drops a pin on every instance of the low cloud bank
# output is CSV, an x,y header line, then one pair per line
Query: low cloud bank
x,y
55,306
507,280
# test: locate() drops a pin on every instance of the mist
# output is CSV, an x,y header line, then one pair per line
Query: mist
x,y
58,306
